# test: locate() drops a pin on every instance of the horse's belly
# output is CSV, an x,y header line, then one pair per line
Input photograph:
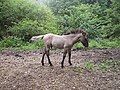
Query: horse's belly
x,y
58,44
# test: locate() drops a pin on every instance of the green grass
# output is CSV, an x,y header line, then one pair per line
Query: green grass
x,y
18,44
109,65
104,65
89,65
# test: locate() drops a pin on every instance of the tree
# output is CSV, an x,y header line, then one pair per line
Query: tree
x,y
112,29
20,16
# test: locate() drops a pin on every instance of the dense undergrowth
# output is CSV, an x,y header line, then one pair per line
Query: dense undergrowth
x,y
18,44
22,19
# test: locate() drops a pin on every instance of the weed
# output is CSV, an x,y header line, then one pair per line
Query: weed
x,y
89,65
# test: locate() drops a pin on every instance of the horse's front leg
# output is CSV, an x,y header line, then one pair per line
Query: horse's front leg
x,y
64,55
69,55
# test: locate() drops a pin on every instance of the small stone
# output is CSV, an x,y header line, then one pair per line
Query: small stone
x,y
14,86
73,87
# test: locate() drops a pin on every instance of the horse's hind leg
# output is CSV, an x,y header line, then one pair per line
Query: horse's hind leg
x,y
47,53
64,55
43,58
69,54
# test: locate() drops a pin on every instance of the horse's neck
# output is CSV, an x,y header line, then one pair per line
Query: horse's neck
x,y
72,37
75,39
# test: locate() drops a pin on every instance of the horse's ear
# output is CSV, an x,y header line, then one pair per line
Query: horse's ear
x,y
84,33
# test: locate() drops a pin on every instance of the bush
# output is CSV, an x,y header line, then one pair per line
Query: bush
x,y
18,44
26,28
112,28
20,15
84,16
11,42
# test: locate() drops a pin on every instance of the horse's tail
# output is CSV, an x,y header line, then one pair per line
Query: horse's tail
x,y
41,36
35,38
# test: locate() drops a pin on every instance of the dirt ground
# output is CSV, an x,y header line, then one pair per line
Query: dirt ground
x,y
23,70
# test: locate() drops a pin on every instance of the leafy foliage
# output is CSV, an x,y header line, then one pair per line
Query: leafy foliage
x,y
22,16
25,29
84,16
112,28
21,19
99,17
11,42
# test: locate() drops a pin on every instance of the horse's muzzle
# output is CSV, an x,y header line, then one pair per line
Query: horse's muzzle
x,y
85,43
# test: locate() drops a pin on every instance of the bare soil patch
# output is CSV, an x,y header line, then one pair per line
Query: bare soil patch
x,y
23,70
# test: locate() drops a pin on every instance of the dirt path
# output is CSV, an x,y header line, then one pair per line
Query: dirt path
x,y
96,69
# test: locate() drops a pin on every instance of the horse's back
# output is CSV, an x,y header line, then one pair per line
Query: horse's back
x,y
56,41
51,35
48,38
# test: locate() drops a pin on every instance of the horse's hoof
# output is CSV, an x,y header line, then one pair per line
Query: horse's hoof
x,y
70,64
43,64
51,65
62,66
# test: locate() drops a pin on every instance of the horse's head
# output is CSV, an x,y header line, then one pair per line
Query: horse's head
x,y
84,40
83,37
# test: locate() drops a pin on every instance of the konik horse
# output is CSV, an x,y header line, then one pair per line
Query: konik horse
x,y
65,42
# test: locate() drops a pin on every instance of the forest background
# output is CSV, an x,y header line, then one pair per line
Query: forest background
x,y
22,19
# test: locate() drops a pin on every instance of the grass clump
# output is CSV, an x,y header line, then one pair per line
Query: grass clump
x,y
106,65
89,65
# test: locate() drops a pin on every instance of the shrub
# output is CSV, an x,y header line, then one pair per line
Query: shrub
x,y
18,44
20,15
11,42
26,28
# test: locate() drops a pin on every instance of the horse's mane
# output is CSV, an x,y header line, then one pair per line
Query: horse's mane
x,y
76,31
